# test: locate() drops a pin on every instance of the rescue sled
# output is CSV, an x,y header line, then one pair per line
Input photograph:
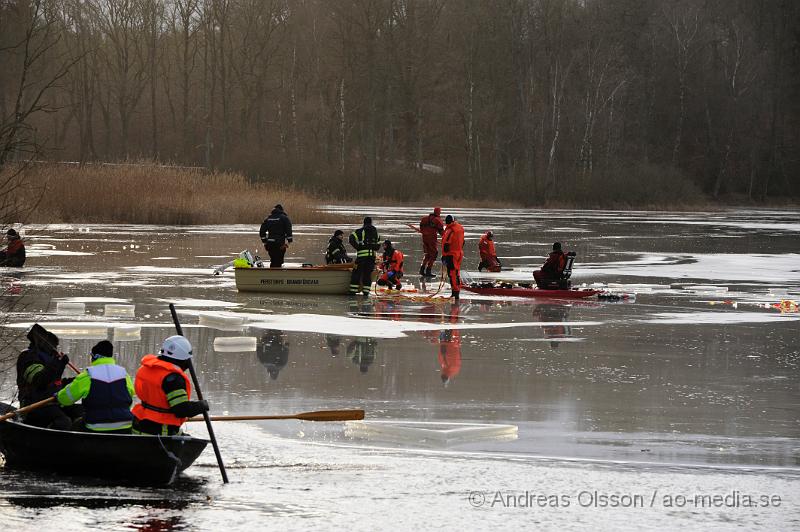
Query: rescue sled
x,y
532,292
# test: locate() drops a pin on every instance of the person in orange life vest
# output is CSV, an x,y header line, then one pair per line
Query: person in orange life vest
x,y
392,266
488,254
552,267
164,389
14,253
450,349
453,253
430,227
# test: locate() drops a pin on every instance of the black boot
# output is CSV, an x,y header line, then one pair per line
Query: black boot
x,y
422,270
428,273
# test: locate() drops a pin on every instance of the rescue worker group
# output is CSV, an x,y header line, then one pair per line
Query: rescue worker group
x,y
105,390
276,235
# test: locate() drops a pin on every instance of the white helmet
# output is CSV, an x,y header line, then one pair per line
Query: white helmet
x,y
177,347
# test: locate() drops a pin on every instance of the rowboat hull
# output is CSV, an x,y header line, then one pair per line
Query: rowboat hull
x,y
311,280
533,292
125,458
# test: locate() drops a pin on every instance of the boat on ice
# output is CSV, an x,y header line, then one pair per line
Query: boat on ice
x,y
328,279
126,458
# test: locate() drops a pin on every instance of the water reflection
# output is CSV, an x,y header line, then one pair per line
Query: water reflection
x,y
334,342
553,312
273,351
361,351
450,347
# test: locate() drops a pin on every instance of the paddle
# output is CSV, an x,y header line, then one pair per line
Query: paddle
x,y
24,409
320,415
206,417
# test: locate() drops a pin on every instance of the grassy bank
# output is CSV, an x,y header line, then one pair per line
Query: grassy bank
x,y
156,194
150,194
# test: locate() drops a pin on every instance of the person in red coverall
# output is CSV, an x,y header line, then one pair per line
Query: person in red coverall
x,y
14,254
430,227
453,253
552,268
450,349
392,266
488,254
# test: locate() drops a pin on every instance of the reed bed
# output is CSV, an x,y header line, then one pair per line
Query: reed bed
x,y
150,194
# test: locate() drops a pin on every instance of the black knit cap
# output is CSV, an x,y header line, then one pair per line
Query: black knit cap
x,y
557,246
449,219
368,220
103,348
338,232
12,232
279,207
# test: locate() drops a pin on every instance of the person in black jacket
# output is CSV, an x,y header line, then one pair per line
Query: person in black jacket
x,y
39,376
276,234
366,242
337,254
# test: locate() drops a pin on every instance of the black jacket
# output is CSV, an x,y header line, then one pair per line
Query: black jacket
x,y
39,374
336,252
277,228
366,241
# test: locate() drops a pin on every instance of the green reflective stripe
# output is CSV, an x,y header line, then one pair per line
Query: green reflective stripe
x,y
31,372
365,253
100,427
77,389
177,397
165,430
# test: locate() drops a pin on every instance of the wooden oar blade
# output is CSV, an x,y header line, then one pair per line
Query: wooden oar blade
x,y
332,415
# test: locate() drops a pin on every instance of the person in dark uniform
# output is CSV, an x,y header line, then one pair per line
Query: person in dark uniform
x,y
366,242
273,352
39,376
336,253
276,234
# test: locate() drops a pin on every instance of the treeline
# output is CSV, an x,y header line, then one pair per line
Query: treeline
x,y
590,102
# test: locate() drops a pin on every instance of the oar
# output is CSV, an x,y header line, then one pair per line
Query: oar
x,y
206,417
320,415
28,408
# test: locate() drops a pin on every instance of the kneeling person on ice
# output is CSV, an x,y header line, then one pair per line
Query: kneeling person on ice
x,y
392,266
105,391
164,390
488,253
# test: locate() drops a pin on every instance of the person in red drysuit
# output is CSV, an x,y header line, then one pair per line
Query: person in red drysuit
x,y
430,227
453,253
488,254
392,266
552,268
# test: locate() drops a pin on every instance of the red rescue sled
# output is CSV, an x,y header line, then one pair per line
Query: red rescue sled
x,y
533,292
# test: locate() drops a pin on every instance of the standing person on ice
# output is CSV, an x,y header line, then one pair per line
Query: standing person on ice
x,y
430,227
366,242
276,234
488,254
453,253
164,390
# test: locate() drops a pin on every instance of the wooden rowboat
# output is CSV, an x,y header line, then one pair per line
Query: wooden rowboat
x,y
532,292
330,279
125,458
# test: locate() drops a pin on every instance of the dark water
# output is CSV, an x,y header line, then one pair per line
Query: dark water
x,y
690,390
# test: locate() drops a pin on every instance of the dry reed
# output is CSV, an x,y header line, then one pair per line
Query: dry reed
x,y
150,194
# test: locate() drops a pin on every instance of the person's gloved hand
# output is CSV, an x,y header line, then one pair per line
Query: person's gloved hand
x,y
446,248
285,246
203,405
390,275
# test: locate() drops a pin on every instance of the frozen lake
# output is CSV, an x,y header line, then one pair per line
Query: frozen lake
x,y
689,391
